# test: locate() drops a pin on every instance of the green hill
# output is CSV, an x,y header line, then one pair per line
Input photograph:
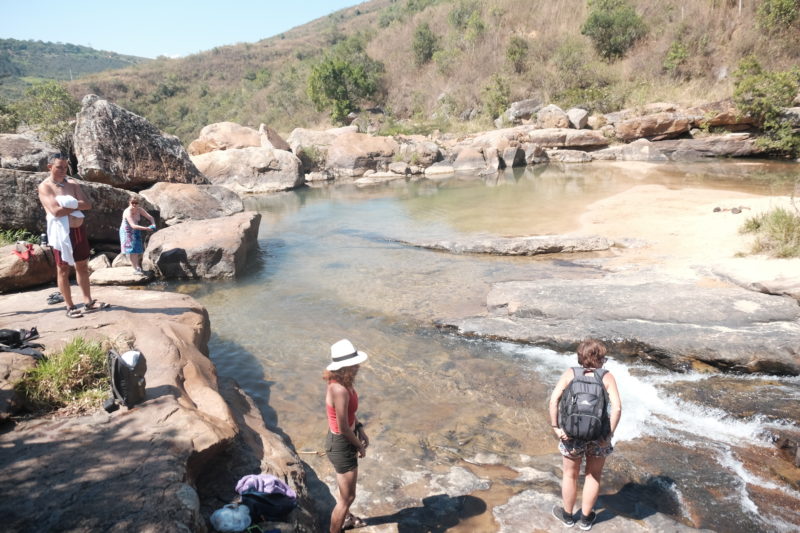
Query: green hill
x,y
454,64
25,62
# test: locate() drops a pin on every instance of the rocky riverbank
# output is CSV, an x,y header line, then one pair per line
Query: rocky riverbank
x,y
164,465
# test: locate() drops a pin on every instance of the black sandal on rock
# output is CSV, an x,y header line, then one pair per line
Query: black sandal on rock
x,y
74,312
55,298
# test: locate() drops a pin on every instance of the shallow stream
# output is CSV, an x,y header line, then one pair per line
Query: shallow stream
x,y
459,426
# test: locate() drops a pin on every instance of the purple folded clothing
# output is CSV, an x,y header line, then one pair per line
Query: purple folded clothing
x,y
264,483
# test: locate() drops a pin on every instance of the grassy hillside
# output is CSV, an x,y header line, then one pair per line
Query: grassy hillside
x,y
475,57
26,62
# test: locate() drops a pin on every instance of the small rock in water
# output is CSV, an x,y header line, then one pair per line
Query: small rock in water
x,y
717,209
736,210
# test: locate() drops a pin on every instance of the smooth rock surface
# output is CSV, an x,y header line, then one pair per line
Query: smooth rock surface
x,y
548,244
21,152
120,148
672,323
252,170
16,274
179,202
204,249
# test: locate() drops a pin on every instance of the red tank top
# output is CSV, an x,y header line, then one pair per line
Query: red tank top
x,y
352,407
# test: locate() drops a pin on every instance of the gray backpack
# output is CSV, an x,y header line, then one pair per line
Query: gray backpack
x,y
582,411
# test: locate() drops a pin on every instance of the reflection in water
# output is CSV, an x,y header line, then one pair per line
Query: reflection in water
x,y
451,417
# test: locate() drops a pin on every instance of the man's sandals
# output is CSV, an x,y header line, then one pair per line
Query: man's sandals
x,y
74,312
353,522
94,305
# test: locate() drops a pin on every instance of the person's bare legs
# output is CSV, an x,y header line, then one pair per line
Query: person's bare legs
x,y
569,482
591,485
82,273
62,278
347,495
135,260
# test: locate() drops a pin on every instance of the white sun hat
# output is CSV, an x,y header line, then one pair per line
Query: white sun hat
x,y
343,354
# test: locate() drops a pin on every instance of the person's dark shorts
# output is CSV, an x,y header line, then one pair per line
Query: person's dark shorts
x,y
342,455
80,246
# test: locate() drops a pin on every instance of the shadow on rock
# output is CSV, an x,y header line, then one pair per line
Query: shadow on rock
x,y
437,514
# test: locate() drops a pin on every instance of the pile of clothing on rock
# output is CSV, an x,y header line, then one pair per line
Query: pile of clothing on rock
x,y
262,498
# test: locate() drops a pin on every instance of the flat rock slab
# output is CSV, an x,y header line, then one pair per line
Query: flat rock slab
x,y
551,244
123,275
679,325
137,469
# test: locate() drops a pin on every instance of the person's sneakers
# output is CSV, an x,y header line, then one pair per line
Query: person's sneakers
x,y
563,516
585,523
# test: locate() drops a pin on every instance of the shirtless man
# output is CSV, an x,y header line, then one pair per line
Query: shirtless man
x,y
57,184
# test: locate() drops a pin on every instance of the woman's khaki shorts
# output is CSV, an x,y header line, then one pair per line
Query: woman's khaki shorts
x,y
342,454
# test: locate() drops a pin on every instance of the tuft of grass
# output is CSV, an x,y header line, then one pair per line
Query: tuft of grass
x,y
777,232
75,378
10,236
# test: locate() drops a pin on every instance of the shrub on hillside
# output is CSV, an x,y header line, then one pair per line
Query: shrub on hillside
x,y
775,15
461,13
613,26
8,118
495,96
763,95
344,78
517,53
424,44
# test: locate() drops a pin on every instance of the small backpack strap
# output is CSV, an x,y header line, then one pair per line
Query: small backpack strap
x,y
599,373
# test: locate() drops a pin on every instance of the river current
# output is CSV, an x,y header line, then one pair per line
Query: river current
x,y
459,426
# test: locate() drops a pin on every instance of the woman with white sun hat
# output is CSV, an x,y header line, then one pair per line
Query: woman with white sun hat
x,y
346,440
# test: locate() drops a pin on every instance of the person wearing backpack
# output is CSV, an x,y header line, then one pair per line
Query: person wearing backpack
x,y
579,414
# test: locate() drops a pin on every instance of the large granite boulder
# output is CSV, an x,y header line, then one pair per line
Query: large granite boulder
x,y
311,146
22,210
676,324
21,152
578,118
418,151
204,249
352,154
523,110
179,202
566,138
17,273
656,126
252,170
120,148
728,145
155,467
224,136
121,276
720,114
552,116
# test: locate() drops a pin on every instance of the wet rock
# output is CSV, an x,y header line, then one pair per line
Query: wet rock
x,y
638,150
513,156
179,202
672,324
439,168
252,170
206,249
729,145
120,148
21,152
517,245
16,274
224,136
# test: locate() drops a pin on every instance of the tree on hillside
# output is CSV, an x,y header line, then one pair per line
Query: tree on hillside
x,y
49,109
424,44
613,26
517,53
344,78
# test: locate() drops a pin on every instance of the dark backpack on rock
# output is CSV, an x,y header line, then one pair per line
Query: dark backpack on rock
x,y
18,341
268,506
582,411
126,373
